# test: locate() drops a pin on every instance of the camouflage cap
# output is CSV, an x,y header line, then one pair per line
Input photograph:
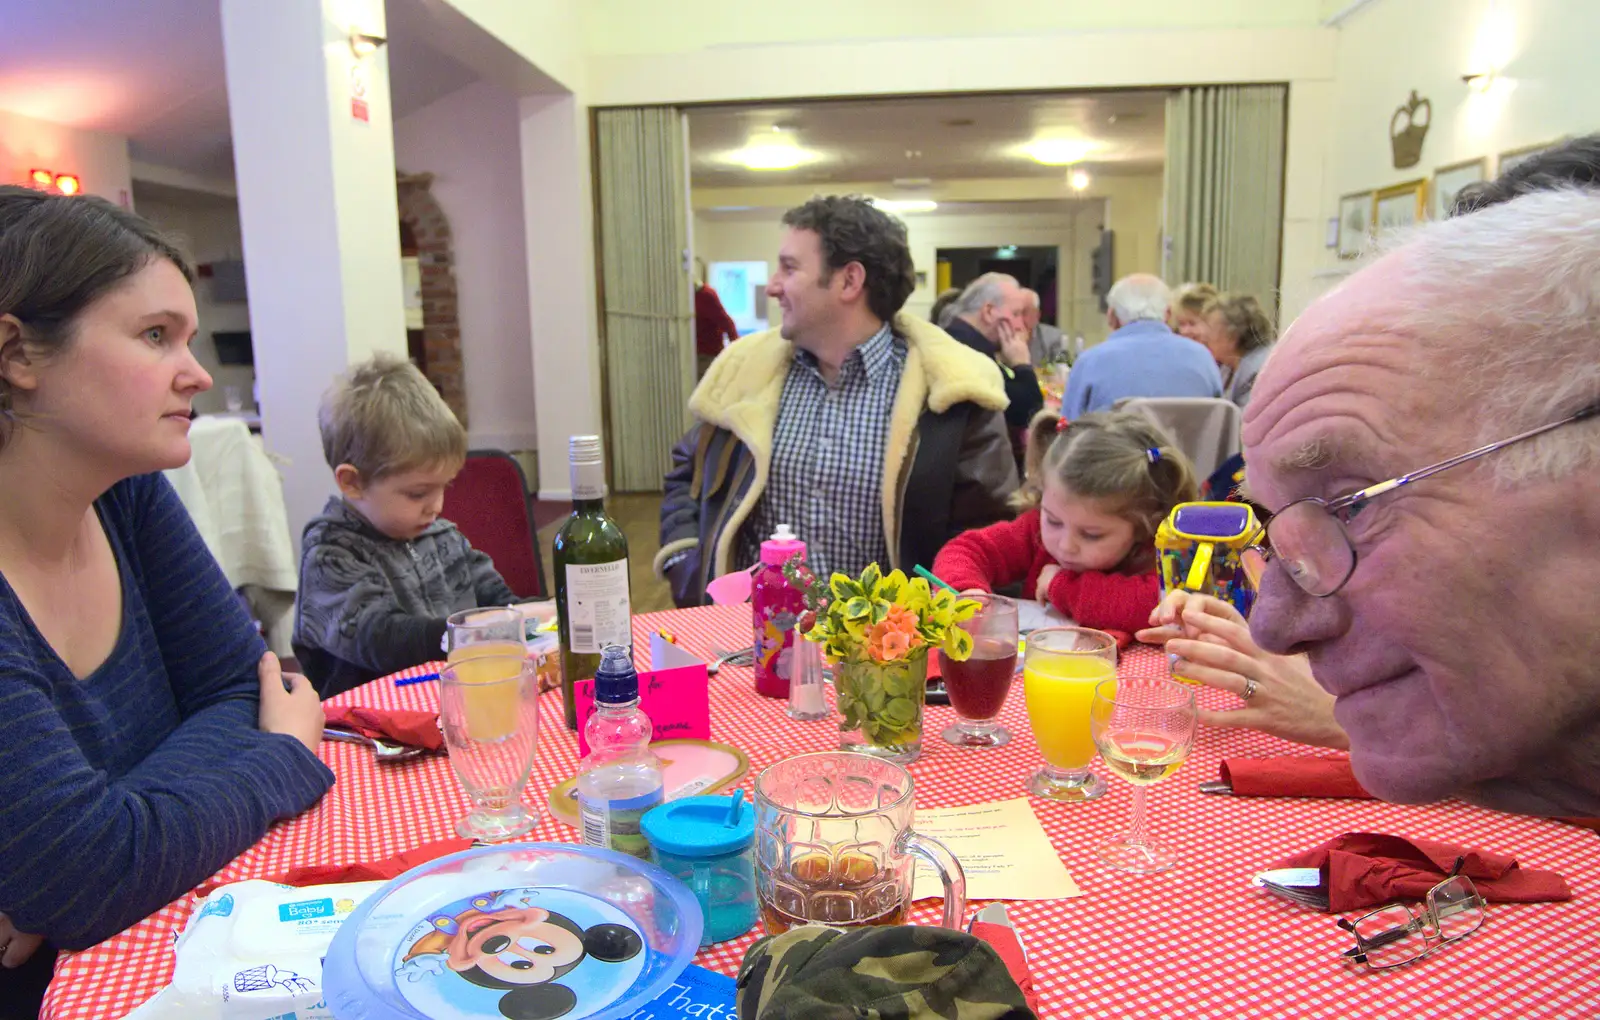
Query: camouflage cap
x,y
900,973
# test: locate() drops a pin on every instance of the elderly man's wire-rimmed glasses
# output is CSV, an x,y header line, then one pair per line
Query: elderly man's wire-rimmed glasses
x,y
1309,536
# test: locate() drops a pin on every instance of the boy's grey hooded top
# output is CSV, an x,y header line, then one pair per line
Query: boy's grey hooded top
x,y
370,604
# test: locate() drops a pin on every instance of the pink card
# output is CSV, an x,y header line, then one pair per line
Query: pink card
x,y
675,695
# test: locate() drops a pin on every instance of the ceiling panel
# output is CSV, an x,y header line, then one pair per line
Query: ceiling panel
x,y
942,138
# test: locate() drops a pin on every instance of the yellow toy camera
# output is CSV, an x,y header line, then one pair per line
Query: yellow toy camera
x,y
1202,546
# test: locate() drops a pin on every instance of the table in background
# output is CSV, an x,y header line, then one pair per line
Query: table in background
x,y
234,495
1197,942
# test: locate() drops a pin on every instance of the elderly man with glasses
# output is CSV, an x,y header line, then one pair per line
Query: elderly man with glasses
x,y
1428,439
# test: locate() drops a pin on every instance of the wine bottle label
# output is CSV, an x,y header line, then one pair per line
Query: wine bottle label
x,y
597,606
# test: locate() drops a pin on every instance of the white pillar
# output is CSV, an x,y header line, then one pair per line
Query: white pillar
x,y
318,211
561,280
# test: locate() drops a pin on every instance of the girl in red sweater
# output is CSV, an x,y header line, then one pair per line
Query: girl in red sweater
x,y
1095,491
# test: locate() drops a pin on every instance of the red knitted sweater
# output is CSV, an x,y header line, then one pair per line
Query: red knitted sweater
x,y
1012,551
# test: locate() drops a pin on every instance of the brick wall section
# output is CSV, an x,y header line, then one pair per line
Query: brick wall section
x,y
441,330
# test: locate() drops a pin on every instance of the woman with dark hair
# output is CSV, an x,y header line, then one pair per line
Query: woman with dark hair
x,y
149,735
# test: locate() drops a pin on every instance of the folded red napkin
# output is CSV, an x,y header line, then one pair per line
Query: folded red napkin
x,y
1004,941
1291,776
1369,869
373,871
398,725
360,871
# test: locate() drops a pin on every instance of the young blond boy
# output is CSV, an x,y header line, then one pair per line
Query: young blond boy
x,y
380,570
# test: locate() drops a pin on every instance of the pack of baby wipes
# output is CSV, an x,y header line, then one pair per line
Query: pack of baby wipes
x,y
253,951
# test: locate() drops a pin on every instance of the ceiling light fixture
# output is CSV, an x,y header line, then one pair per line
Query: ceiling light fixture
x,y
1078,179
49,180
363,44
901,206
772,150
1057,151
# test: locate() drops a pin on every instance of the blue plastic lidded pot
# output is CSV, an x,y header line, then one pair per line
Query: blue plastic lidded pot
x,y
709,844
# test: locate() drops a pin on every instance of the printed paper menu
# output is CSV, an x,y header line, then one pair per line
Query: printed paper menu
x,y
1003,850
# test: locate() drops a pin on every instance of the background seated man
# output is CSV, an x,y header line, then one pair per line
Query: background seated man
x,y
989,317
1141,357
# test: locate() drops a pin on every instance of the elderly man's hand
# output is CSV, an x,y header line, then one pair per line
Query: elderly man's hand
x,y
1013,345
1211,644
15,946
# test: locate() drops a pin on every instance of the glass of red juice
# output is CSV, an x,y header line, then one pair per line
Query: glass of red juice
x,y
978,686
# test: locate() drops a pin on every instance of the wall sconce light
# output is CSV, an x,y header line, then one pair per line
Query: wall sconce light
x,y
49,180
365,45
1480,81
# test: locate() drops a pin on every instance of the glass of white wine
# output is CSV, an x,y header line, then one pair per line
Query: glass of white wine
x,y
1144,729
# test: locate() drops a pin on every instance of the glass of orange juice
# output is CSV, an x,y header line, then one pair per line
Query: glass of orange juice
x,y
489,711
481,645
1060,669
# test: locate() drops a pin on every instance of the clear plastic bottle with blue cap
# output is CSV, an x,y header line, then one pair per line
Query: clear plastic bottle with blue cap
x,y
709,844
620,780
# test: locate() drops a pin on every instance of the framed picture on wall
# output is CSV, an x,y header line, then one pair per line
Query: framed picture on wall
x,y
1513,157
1399,206
1447,180
1355,223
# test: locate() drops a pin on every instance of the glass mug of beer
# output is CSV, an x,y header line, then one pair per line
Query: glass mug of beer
x,y
834,844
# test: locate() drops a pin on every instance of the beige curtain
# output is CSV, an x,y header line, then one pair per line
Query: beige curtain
x,y
1224,194
647,345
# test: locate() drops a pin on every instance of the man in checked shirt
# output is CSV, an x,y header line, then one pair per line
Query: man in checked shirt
x,y
872,433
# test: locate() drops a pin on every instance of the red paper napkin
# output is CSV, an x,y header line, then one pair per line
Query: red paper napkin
x,y
373,871
400,726
1003,939
360,871
1368,869
1292,776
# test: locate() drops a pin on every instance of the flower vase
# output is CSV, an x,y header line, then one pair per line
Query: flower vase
x,y
880,705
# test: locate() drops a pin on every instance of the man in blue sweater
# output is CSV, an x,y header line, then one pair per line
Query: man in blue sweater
x,y
1141,357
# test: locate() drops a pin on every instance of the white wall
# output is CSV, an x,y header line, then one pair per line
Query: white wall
x,y
1304,57
99,160
318,208
207,230
469,141
1544,50
534,48
650,26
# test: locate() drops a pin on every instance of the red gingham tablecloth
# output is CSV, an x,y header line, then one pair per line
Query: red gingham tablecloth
x,y
1197,942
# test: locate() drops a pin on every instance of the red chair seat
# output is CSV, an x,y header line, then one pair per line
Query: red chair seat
x,y
488,501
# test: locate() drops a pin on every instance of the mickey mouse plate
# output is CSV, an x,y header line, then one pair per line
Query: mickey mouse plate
x,y
527,931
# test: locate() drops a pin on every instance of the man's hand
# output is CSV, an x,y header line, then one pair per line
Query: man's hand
x,y
1013,344
289,704
15,946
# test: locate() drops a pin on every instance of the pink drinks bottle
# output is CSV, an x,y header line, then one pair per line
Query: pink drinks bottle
x,y
776,606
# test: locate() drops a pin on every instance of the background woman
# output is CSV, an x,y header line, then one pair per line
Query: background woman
x,y
1239,335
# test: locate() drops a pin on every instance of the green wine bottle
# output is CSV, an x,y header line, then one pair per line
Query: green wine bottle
x,y
591,568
